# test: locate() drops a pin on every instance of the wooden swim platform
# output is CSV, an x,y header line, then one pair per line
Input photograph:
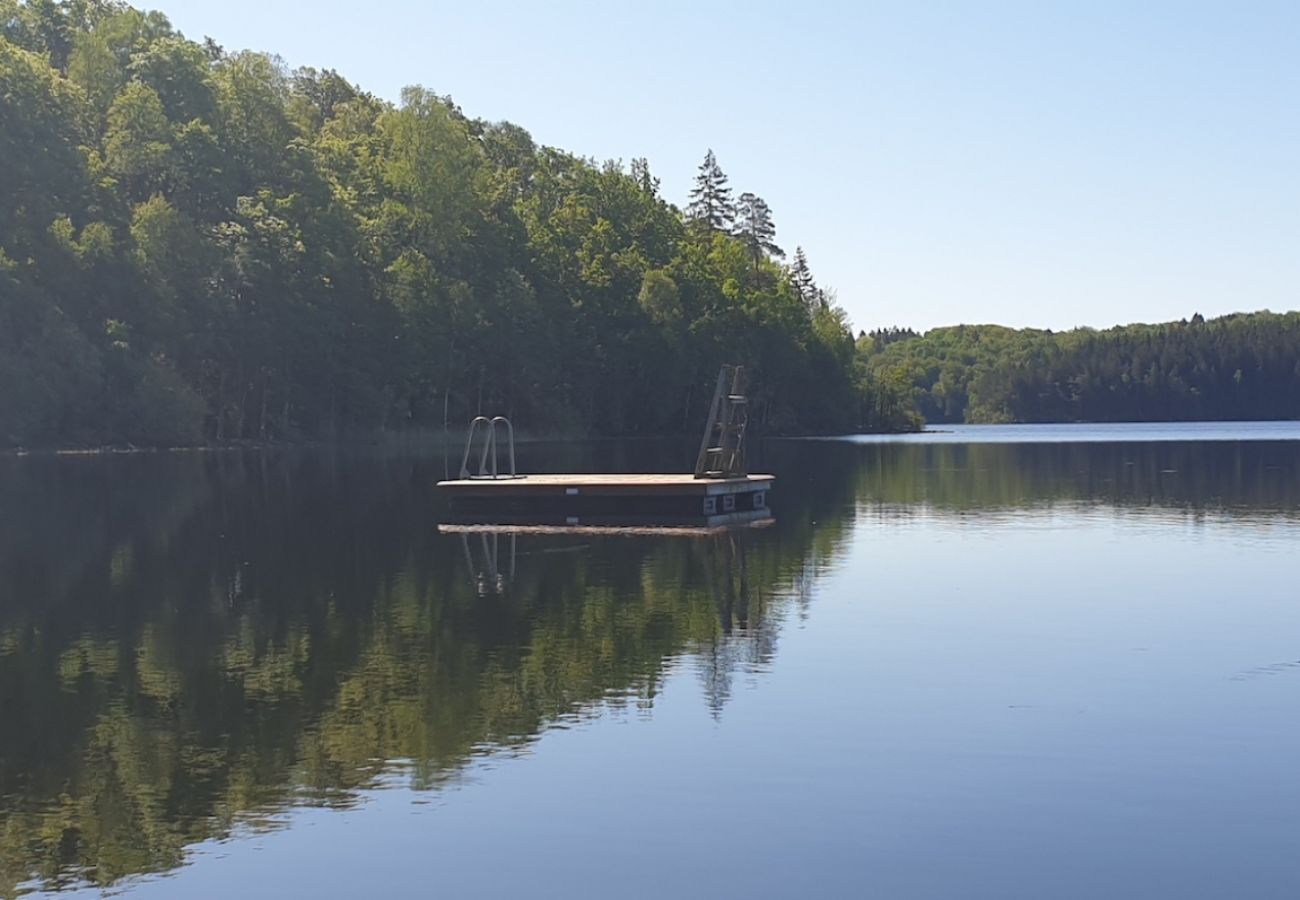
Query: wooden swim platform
x,y
607,499
719,492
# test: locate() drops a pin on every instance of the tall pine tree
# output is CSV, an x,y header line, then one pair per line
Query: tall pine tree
x,y
754,226
801,277
641,175
711,204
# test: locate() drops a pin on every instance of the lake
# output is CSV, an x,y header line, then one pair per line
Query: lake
x,y
1011,662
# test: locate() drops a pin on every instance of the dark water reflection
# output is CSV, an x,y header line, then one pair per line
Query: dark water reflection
x,y
193,643
1251,478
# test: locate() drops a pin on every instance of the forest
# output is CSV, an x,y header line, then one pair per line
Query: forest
x,y
202,246
1237,367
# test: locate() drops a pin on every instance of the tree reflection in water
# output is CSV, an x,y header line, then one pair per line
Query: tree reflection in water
x,y
189,642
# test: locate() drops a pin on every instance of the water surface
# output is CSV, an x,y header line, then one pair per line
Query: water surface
x,y
1006,666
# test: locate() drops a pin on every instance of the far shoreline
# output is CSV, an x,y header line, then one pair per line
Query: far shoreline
x,y
436,443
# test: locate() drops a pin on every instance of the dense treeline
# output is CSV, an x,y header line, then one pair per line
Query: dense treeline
x,y
1244,366
199,245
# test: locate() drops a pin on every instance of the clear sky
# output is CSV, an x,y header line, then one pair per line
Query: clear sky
x,y
1030,163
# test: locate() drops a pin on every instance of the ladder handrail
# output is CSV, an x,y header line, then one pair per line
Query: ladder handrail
x,y
489,448
469,443
510,444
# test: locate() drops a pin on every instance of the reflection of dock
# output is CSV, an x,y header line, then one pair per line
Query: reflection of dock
x,y
490,576
645,500
712,561
611,530
490,553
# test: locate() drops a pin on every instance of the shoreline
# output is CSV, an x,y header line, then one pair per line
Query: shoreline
x,y
396,443
438,443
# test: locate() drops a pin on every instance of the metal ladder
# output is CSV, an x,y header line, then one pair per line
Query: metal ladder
x,y
489,451
722,452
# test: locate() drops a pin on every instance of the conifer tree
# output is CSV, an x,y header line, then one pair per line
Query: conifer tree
x,y
641,175
711,198
801,277
754,226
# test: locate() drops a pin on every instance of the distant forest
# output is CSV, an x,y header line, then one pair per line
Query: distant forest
x,y
1244,366
200,246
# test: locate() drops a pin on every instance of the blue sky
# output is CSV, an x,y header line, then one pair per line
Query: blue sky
x,y
1028,163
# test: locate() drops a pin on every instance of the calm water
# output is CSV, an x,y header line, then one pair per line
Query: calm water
x,y
997,662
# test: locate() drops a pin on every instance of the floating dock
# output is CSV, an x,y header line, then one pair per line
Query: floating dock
x,y
594,500
719,493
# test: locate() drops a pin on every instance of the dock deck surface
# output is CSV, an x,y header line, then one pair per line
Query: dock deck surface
x,y
606,483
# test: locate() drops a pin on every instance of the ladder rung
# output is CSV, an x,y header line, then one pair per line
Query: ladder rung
x,y
737,398
714,450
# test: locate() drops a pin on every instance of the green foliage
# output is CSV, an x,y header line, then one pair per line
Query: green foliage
x,y
1244,366
270,255
660,299
137,144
